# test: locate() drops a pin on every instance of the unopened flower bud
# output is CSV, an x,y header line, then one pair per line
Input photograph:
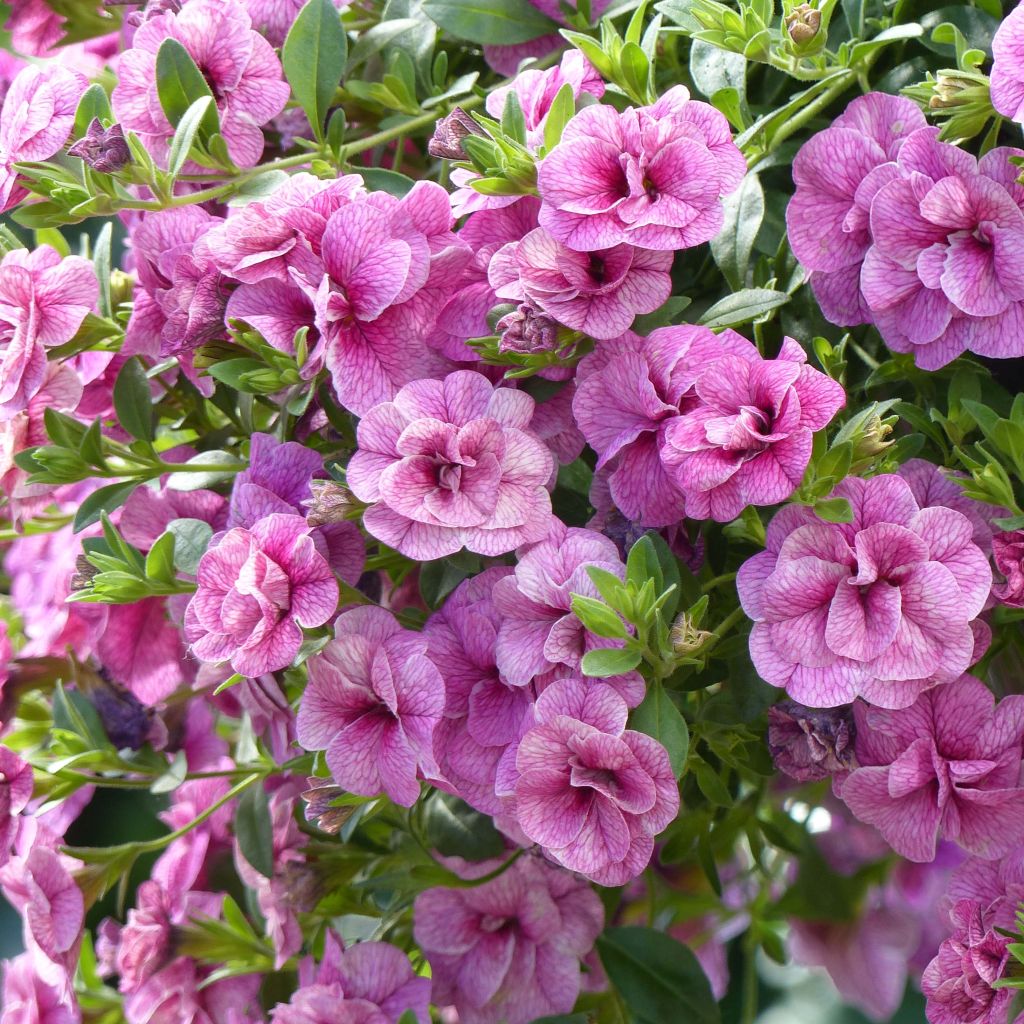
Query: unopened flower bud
x,y
949,91
330,502
809,744
873,440
527,330
803,24
686,637
103,149
82,577
449,133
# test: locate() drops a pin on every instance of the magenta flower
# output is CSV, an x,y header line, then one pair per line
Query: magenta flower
x,y
598,293
273,18
148,512
15,793
947,766
748,441
880,607
1008,552
538,630
451,464
29,999
239,65
37,117
650,176
590,791
34,26
43,301
483,712
1007,76
628,392
181,992
373,701
509,949
837,173
256,589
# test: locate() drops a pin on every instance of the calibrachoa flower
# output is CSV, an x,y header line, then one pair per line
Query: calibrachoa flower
x,y
880,607
451,464
1008,554
256,589
15,792
748,440
590,791
240,66
1007,78
373,700
650,176
947,766
509,949
29,999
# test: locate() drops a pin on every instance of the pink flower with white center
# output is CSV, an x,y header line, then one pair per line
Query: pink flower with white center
x,y
257,588
37,117
948,766
239,65
650,176
29,999
373,701
538,629
451,464
43,301
509,949
598,293
748,441
880,607
590,791
628,392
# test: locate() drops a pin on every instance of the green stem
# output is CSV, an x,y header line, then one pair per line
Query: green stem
x,y
724,628
716,581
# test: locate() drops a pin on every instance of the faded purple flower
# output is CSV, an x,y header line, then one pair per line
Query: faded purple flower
x,y
509,949
526,330
449,132
880,607
807,744
451,464
103,149
373,701
748,441
256,589
649,176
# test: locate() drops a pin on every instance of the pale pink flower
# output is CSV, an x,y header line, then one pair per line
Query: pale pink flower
x,y
256,589
15,793
240,66
372,702
29,999
35,27
649,176
509,949
451,464
1007,76
880,607
273,18
176,994
1008,553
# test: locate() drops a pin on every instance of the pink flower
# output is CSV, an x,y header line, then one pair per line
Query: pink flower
x,y
748,441
176,994
652,177
837,173
15,793
29,999
372,702
947,766
628,392
34,26
240,66
37,117
256,589
273,18
148,512
43,301
880,607
451,464
598,293
1007,76
538,630
1008,552
509,949
590,791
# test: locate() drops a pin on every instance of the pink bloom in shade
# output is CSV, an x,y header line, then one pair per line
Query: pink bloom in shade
x,y
43,301
590,791
1008,552
837,173
239,65
509,949
373,701
148,512
28,999
483,712
15,793
880,607
538,630
598,292
1007,76
277,311
628,391
176,994
451,464
326,1004
649,176
257,587
37,117
748,441
949,765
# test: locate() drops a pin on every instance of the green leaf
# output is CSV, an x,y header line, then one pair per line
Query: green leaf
x,y
101,264
733,245
659,717
834,510
313,57
185,134
713,69
610,661
380,179
441,576
197,480
106,499
94,103
254,831
454,829
132,401
408,1017
743,306
191,539
160,559
659,979
597,617
179,83
563,106
489,22
711,785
